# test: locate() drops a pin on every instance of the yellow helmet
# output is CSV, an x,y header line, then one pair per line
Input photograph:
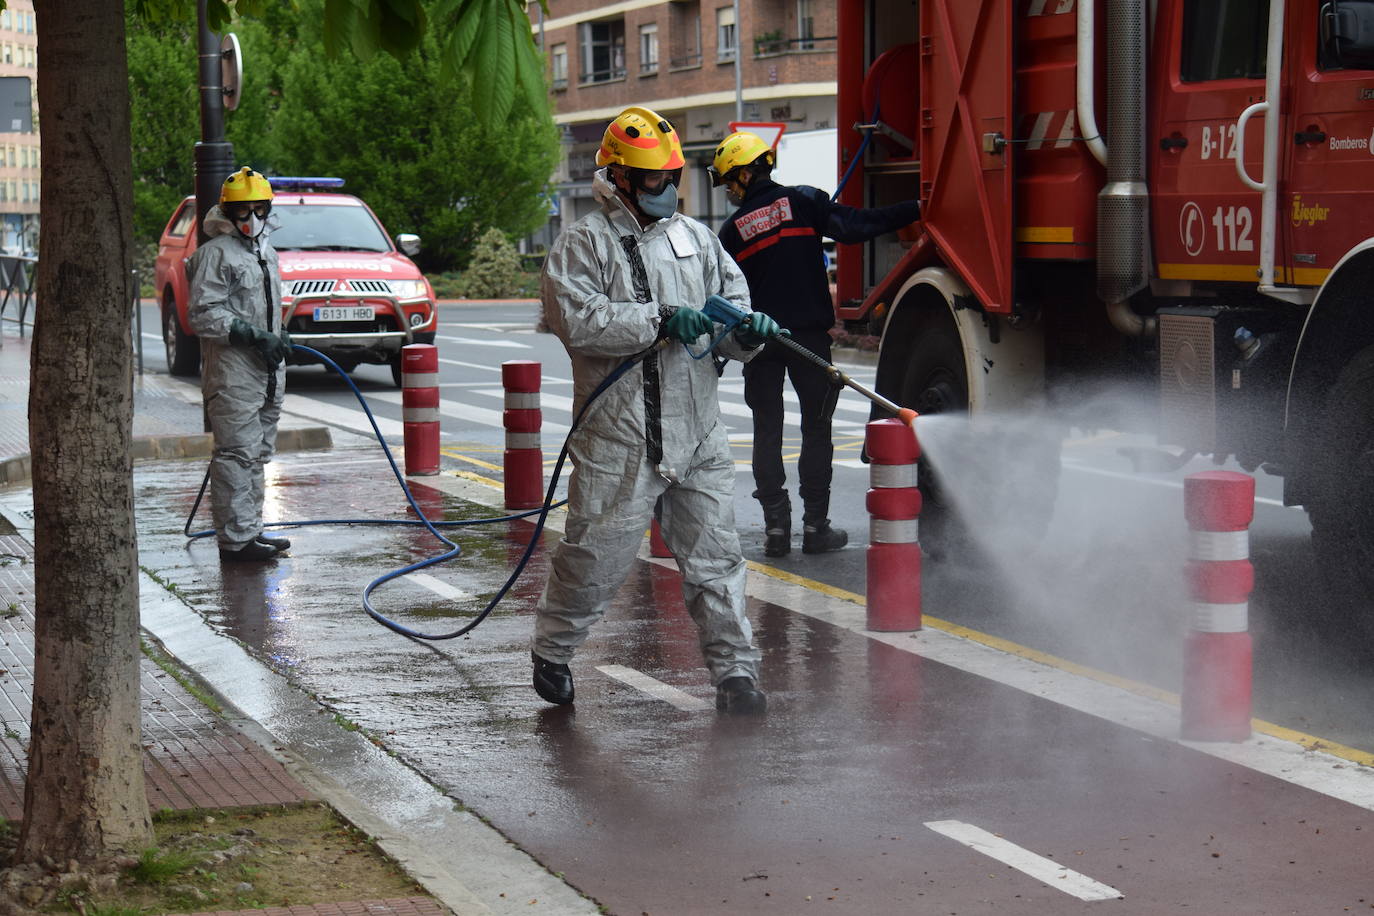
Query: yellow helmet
x,y
245,184
739,149
640,139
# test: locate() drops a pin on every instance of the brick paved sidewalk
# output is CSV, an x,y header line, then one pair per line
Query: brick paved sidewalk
x,y
192,759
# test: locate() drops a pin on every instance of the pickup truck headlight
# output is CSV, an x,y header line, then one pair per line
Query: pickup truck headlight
x,y
408,289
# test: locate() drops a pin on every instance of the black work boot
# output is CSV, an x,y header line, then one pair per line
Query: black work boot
x,y
777,531
822,538
274,543
252,552
777,542
552,681
737,696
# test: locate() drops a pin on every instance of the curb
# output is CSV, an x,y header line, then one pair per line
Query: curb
x,y
19,469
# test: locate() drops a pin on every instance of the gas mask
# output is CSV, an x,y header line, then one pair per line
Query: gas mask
x,y
659,204
250,220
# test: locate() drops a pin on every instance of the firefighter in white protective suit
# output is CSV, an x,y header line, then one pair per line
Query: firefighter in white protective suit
x,y
615,283
235,310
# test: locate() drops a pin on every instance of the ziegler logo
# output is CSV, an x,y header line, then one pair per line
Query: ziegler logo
x,y
761,220
1304,214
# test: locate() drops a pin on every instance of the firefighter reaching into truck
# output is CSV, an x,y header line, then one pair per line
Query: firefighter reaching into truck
x,y
235,309
775,237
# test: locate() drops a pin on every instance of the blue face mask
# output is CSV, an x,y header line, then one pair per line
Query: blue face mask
x,y
661,205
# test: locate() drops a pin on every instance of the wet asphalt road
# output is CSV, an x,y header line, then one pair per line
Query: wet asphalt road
x,y
649,808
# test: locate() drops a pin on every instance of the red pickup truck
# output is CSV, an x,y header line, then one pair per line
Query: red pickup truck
x,y
348,290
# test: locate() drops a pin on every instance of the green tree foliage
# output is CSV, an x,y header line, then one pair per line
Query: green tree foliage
x,y
495,271
405,141
163,115
400,131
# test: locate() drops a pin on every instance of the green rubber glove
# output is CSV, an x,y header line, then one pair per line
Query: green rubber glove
x,y
687,325
757,328
268,346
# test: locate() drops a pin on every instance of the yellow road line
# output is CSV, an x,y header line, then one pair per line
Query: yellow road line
x,y
1310,742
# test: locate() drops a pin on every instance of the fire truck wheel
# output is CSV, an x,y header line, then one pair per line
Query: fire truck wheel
x,y
1342,506
935,383
1009,501
183,350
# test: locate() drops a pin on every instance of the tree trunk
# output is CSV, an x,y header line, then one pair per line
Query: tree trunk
x,y
85,795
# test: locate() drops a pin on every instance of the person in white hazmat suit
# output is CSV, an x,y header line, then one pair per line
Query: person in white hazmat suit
x,y
235,310
614,284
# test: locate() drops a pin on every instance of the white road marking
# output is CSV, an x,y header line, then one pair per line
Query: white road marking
x,y
478,342
1157,482
1149,714
439,587
1057,876
654,688
481,415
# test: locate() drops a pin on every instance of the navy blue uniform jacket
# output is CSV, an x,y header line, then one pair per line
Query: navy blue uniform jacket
x,y
775,237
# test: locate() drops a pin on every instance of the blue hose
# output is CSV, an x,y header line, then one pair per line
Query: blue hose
x,y
542,512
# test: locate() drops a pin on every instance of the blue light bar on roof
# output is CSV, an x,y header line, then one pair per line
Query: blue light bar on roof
x,y
305,184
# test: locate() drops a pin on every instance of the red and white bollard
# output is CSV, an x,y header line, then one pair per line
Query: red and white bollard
x,y
522,418
894,503
420,408
1217,656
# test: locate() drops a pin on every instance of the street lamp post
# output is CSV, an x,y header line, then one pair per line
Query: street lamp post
x,y
214,154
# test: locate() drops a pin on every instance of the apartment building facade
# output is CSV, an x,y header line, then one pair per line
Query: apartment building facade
x,y
19,150
678,57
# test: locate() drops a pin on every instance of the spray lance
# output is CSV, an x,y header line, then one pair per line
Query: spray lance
x,y
723,311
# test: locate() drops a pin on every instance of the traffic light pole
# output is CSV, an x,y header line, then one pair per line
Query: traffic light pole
x,y
214,155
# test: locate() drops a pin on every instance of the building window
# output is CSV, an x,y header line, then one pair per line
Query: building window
x,y
684,34
23,157
26,191
727,41
603,51
28,57
9,54
14,155
5,22
559,58
648,48
806,25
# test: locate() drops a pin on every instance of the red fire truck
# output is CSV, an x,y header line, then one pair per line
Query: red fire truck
x,y
1125,187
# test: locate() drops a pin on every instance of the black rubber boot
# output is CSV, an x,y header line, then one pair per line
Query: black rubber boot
x,y
822,538
552,681
737,696
252,552
274,543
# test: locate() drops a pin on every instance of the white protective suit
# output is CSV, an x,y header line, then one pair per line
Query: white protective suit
x,y
234,277
592,303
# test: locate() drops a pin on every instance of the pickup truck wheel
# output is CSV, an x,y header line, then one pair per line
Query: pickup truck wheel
x,y
395,363
1342,505
183,350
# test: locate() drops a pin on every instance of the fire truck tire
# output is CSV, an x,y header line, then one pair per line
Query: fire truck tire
x,y
182,349
1017,462
935,383
1342,505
